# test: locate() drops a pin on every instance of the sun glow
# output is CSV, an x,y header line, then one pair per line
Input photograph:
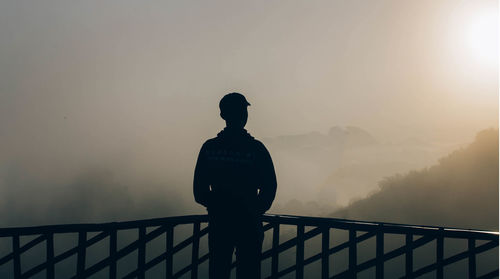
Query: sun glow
x,y
480,37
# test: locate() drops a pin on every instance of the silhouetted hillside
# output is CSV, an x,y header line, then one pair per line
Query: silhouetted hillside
x,y
327,170
460,191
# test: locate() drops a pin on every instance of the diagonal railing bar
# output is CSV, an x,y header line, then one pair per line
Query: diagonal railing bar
x,y
187,268
485,247
314,258
291,243
394,253
418,243
344,274
287,270
165,226
183,271
23,248
293,268
122,252
493,274
320,255
185,243
158,259
153,262
64,255
455,258
344,245
203,258
267,227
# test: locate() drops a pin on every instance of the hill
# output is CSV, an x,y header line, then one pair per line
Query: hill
x,y
460,191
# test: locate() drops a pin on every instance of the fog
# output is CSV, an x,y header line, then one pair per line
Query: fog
x,y
104,106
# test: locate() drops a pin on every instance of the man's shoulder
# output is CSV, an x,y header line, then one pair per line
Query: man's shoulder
x,y
258,143
210,142
258,146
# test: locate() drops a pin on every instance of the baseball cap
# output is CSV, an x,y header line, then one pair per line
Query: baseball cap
x,y
232,100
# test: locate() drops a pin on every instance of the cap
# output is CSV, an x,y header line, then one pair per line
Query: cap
x,y
232,100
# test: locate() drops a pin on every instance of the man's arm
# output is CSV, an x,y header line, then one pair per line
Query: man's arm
x,y
201,186
268,181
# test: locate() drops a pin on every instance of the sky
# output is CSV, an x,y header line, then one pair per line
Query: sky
x,y
136,84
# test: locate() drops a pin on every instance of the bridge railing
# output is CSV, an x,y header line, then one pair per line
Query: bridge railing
x,y
306,228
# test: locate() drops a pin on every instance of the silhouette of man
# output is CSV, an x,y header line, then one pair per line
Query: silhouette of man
x,y
234,179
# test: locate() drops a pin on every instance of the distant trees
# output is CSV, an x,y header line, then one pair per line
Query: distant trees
x,y
460,191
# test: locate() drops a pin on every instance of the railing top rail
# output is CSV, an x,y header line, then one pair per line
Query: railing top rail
x,y
385,227
282,219
95,227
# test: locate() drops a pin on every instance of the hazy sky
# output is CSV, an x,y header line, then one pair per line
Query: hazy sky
x,y
90,81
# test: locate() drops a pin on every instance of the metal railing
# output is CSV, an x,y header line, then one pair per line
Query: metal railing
x,y
306,228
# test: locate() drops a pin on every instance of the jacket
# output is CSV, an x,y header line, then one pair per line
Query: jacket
x,y
234,173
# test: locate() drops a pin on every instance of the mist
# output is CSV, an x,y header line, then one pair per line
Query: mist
x,y
371,110
104,106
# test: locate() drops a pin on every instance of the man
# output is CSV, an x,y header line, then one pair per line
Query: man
x,y
234,179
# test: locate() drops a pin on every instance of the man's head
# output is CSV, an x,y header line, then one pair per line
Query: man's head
x,y
233,109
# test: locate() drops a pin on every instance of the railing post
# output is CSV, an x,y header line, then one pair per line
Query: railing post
x,y
50,255
195,250
380,253
169,247
80,264
352,254
112,253
275,254
409,255
17,256
299,259
471,245
439,254
141,257
325,255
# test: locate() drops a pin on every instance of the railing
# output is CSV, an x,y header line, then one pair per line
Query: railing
x,y
323,230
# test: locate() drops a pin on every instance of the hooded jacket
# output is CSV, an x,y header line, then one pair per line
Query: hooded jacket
x,y
234,174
